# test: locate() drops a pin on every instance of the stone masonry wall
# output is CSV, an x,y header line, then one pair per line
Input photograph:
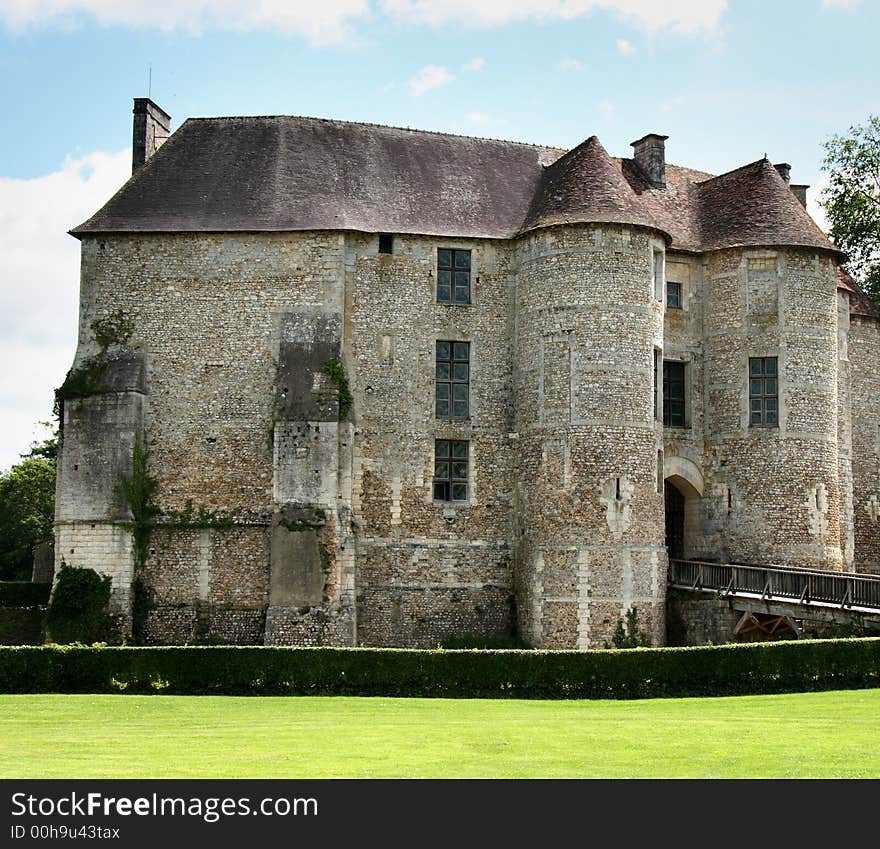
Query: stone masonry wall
x,y
428,570
864,362
207,312
684,448
785,501
281,524
590,538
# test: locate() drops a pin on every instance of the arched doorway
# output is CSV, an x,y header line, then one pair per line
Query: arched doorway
x,y
682,490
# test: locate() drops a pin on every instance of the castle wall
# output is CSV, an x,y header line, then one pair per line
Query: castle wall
x,y
428,570
280,523
209,315
864,363
684,448
783,483
590,535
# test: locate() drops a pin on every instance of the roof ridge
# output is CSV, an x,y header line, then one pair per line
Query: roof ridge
x,y
736,170
380,126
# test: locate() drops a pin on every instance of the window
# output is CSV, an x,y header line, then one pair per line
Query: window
x,y
673,394
658,275
452,373
450,470
763,392
453,276
673,295
386,243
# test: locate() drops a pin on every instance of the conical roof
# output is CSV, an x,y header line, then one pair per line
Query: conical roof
x,y
586,186
753,205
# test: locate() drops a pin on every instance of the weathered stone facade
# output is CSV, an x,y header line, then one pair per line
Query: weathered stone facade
x,y
281,385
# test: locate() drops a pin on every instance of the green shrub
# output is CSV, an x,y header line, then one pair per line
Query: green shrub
x,y
78,608
628,635
23,594
256,670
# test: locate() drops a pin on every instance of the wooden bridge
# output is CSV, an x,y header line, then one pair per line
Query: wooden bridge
x,y
773,593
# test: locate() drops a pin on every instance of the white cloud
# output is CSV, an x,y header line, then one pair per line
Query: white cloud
x,y
331,20
624,47
606,107
687,16
39,292
569,64
431,76
321,23
480,118
476,64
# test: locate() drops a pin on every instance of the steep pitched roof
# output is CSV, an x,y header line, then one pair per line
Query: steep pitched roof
x,y
291,173
586,186
753,205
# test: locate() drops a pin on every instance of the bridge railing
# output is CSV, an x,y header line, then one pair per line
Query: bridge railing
x,y
776,582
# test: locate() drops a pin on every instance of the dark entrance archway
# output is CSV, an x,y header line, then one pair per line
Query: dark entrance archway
x,y
674,521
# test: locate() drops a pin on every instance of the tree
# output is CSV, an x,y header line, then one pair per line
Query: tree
x,y
852,201
27,511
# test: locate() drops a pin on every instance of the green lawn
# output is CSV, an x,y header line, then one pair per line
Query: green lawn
x,y
810,735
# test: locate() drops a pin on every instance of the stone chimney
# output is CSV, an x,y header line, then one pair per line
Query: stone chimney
x,y
784,170
800,192
649,153
152,125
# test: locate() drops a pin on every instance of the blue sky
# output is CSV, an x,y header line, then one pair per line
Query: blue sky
x,y
727,81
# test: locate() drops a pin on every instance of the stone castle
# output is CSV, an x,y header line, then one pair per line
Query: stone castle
x,y
348,384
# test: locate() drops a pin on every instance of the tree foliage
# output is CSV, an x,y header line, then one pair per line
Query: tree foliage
x,y
852,200
27,510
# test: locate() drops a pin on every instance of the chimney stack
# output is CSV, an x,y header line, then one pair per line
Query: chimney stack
x,y
151,126
800,192
649,153
784,170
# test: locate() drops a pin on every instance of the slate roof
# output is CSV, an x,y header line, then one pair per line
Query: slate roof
x,y
288,173
293,173
859,302
753,205
586,185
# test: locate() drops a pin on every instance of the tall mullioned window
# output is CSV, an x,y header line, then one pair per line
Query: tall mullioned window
x,y
452,379
453,276
673,394
673,295
763,392
450,470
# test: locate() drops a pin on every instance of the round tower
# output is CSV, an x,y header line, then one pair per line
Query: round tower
x,y
589,321
775,440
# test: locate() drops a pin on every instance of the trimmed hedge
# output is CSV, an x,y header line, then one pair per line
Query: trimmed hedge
x,y
24,594
21,626
254,670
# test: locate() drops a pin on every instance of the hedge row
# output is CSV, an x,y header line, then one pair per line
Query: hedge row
x,y
639,673
23,594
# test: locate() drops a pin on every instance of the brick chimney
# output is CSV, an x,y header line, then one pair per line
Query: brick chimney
x,y
784,170
151,126
649,153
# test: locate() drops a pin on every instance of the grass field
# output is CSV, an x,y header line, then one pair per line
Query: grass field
x,y
810,735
